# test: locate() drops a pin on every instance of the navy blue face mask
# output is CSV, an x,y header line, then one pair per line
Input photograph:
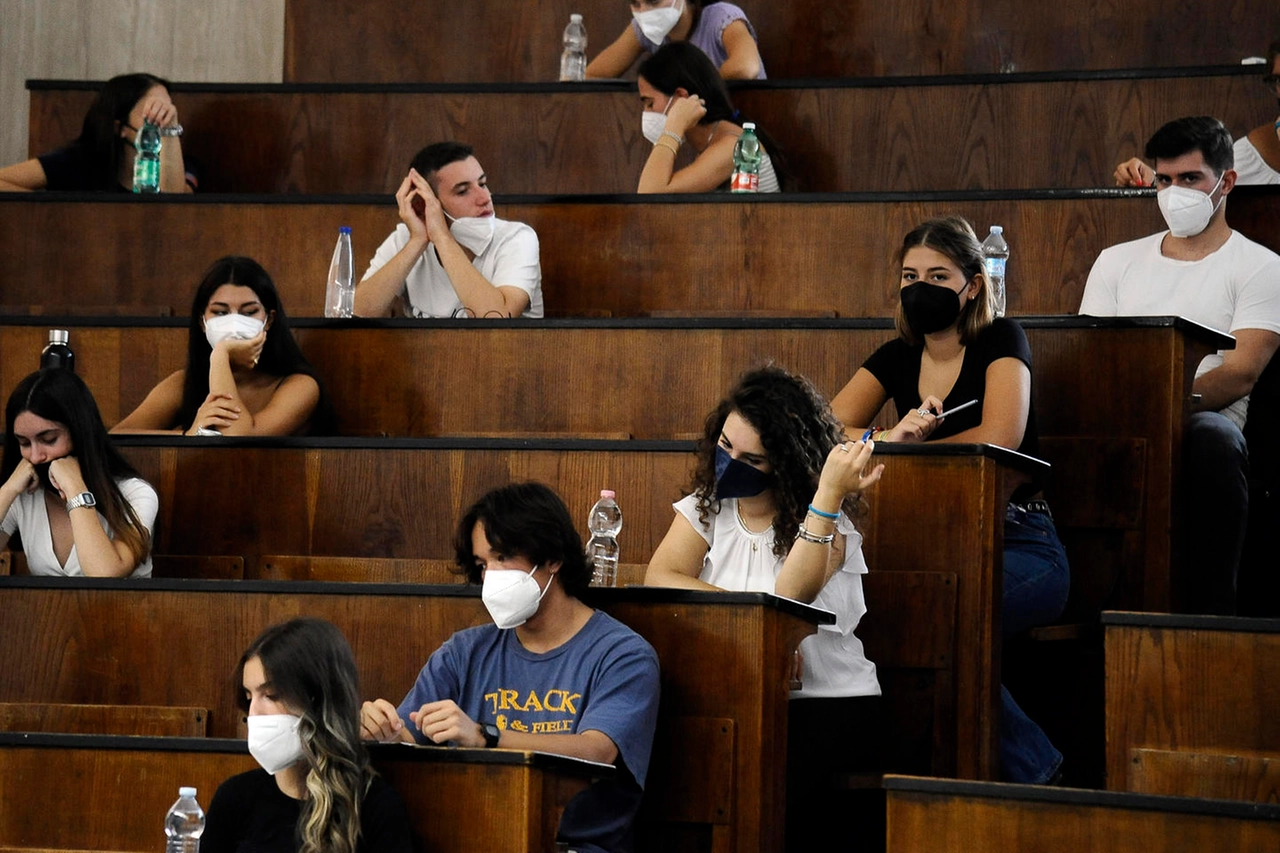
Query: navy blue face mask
x,y
737,479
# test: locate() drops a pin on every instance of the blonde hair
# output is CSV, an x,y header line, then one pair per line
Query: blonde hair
x,y
953,237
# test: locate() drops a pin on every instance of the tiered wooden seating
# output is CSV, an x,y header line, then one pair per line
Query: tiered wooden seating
x,y
497,799
958,817
625,256
721,698
840,136
1191,705
1113,435
495,40
202,566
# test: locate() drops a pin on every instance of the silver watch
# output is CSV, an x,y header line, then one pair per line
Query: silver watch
x,y
174,129
82,499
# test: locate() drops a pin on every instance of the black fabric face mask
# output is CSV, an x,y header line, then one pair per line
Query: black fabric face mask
x,y
737,479
929,307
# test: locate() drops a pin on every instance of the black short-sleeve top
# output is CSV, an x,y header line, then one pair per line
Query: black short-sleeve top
x,y
72,169
896,365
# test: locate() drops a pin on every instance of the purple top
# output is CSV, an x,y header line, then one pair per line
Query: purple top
x,y
706,36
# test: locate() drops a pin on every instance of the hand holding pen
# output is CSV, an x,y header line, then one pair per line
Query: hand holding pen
x,y
919,423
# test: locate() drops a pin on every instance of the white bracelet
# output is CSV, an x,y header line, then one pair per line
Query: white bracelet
x,y
803,533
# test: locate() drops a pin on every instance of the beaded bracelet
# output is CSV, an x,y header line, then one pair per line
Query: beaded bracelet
x,y
820,514
677,137
803,533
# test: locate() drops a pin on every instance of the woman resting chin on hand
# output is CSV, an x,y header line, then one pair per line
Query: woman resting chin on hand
x,y
79,505
245,374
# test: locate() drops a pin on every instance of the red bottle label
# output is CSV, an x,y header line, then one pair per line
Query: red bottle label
x,y
744,183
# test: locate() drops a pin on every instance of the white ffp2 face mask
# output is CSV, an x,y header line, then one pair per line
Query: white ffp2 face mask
x,y
656,24
274,741
652,124
512,596
235,327
473,232
1186,211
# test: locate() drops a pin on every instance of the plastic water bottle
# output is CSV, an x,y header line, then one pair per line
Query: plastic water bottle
x,y
995,254
340,294
146,160
605,523
184,824
573,62
56,353
746,161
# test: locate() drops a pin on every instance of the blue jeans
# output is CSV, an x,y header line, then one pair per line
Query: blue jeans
x,y
1036,582
1216,485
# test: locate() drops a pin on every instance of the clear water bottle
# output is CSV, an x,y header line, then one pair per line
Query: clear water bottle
x,y
573,62
746,161
995,254
146,159
184,824
340,294
605,523
57,353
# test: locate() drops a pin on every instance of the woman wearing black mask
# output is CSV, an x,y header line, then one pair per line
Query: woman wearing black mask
x,y
773,497
951,350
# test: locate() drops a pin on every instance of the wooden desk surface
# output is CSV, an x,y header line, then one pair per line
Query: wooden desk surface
x,y
497,799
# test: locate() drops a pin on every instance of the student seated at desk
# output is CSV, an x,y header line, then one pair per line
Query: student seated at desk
x,y
550,674
950,350
101,158
79,505
720,31
772,509
315,790
684,100
245,374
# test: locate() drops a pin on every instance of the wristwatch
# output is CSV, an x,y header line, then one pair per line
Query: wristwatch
x,y
174,129
82,499
491,734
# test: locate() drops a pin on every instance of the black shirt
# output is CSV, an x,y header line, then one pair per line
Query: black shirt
x,y
250,814
72,169
896,365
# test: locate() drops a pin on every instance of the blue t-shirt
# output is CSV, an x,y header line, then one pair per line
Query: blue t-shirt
x,y
605,678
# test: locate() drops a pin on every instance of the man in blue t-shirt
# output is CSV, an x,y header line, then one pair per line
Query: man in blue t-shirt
x,y
551,674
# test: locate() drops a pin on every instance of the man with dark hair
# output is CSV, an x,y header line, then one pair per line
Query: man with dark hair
x,y
450,256
1202,270
550,674
1257,155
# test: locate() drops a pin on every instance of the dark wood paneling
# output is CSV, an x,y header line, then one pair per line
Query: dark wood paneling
x,y
1219,775
989,136
620,259
1202,689
959,818
144,720
497,40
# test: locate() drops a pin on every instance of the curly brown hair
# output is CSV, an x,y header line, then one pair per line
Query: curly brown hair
x,y
797,431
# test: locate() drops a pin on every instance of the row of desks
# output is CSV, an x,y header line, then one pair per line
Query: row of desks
x,y
961,134
1111,398
623,256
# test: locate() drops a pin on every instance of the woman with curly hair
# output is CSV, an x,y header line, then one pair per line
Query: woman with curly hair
x,y
316,791
773,500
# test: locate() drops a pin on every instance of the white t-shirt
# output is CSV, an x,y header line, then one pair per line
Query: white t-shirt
x,y
30,517
1250,167
1236,287
511,259
742,561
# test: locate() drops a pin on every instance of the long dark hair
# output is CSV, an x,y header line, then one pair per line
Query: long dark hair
x,y
312,670
526,520
57,394
100,134
682,65
797,431
281,355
